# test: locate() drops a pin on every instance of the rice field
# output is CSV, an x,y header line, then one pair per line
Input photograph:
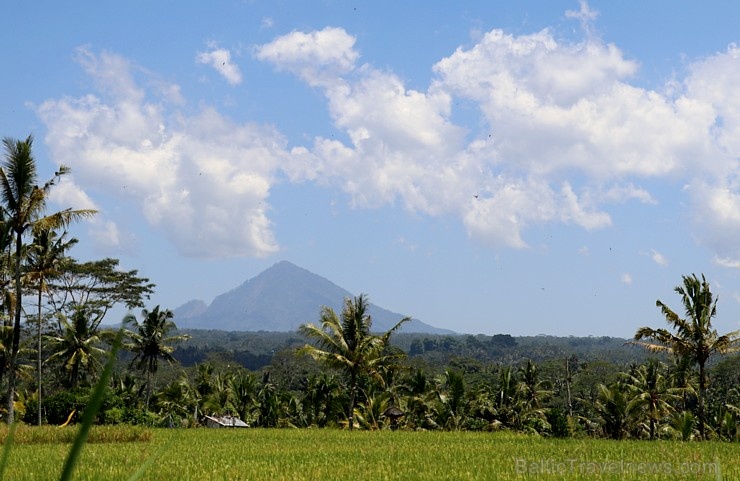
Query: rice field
x,y
328,455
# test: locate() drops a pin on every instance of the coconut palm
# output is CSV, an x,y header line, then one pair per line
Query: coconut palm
x,y
44,258
652,396
693,335
77,347
321,399
243,387
24,205
612,407
348,344
452,395
532,394
149,341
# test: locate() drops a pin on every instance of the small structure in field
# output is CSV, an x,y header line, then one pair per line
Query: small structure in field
x,y
225,422
394,414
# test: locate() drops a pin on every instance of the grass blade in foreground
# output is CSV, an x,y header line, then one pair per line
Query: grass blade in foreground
x,y
6,449
88,417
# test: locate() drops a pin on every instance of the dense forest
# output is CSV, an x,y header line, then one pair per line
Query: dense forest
x,y
678,382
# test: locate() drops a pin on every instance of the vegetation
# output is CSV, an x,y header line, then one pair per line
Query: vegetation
x,y
149,341
283,454
693,338
350,347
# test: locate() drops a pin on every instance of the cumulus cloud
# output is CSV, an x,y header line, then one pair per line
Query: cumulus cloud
x,y
220,60
562,135
317,57
552,111
202,180
405,146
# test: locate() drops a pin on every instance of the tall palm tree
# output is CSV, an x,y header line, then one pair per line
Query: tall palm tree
x,y
77,347
693,336
149,341
348,344
44,258
24,205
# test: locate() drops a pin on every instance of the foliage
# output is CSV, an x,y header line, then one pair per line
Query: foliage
x,y
23,204
77,348
99,285
349,346
693,336
150,342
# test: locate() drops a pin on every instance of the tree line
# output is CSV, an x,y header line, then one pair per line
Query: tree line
x,y
52,305
345,376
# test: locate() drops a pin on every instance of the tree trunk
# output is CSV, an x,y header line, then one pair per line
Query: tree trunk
x,y
16,328
352,390
38,398
148,388
567,387
702,387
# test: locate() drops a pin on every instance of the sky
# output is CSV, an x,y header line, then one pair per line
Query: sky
x,y
511,166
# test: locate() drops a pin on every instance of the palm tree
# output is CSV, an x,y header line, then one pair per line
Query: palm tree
x,y
149,341
243,388
321,397
652,394
44,257
77,347
452,396
612,407
532,394
348,344
24,203
693,335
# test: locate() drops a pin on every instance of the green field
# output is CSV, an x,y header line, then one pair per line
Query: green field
x,y
326,455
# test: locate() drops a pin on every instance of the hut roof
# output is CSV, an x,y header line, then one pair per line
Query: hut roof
x,y
393,412
228,421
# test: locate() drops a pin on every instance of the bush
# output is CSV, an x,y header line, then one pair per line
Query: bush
x,y
131,415
57,408
558,423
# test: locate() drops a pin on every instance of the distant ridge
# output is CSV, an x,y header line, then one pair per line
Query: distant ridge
x,y
280,299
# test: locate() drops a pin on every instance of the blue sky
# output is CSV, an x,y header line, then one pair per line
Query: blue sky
x,y
521,167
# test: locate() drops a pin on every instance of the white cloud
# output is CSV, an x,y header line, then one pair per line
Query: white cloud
x,y
220,60
727,262
562,135
69,195
202,180
552,110
626,279
317,57
267,22
107,236
658,258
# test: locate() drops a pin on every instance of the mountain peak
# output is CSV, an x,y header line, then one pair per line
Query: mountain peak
x,y
281,298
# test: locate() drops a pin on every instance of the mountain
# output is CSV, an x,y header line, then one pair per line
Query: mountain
x,y
280,299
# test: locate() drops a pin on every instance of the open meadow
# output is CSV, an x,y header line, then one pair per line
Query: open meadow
x,y
327,455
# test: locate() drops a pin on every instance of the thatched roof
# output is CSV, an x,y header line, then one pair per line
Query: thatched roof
x,y
393,412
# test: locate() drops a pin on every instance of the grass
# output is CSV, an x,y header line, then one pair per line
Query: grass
x,y
328,455
56,435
